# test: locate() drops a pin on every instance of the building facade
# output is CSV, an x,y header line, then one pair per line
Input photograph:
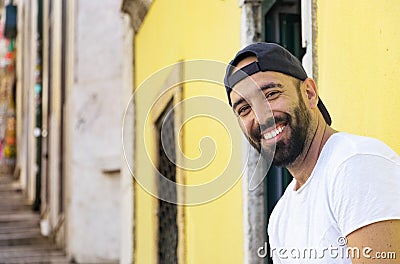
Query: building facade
x,y
316,32
69,119
112,95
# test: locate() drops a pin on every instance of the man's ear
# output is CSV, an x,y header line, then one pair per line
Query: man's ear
x,y
311,92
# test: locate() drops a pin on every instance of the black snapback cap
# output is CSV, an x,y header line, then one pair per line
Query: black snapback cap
x,y
271,57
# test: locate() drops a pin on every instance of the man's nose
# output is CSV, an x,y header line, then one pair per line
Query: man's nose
x,y
262,111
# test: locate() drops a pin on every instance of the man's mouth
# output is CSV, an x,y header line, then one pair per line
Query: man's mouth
x,y
273,133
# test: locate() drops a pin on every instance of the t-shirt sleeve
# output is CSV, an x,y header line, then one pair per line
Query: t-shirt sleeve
x,y
365,190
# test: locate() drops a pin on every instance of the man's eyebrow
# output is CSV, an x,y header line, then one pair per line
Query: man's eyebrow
x,y
238,102
262,88
270,85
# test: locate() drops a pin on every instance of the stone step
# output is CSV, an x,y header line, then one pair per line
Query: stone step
x,y
11,196
31,252
10,190
20,224
37,260
18,227
28,248
20,238
16,234
4,180
13,207
8,196
18,216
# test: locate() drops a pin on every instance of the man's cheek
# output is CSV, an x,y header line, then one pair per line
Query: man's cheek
x,y
245,129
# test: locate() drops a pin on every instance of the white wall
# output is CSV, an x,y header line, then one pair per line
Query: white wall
x,y
127,190
94,133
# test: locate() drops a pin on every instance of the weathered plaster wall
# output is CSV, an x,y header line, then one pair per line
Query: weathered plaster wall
x,y
93,212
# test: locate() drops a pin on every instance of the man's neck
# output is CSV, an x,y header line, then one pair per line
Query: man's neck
x,y
302,168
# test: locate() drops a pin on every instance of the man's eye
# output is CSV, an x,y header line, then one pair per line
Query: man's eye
x,y
272,95
244,110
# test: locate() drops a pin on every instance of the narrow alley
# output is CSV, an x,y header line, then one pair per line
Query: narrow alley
x,y
20,238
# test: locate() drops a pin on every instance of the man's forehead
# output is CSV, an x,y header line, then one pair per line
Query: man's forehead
x,y
254,84
248,87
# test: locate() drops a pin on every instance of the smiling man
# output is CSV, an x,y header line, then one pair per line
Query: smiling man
x,y
345,195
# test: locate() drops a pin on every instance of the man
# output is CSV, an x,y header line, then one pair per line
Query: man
x,y
343,205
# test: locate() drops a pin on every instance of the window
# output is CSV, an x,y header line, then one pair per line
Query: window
x,y
167,212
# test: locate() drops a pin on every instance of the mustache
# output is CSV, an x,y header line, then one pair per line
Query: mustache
x,y
270,122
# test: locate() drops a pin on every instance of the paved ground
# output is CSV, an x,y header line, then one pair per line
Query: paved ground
x,y
20,238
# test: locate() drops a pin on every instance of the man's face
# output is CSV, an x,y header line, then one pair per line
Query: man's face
x,y
272,114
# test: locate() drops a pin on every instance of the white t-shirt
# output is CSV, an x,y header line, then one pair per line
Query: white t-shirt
x,y
355,182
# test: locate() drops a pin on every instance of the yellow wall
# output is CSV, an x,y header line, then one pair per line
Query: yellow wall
x,y
180,30
359,66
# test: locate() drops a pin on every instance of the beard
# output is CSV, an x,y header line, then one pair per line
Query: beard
x,y
286,150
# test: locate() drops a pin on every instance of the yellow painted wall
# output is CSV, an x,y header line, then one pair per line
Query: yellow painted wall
x,y
180,30
359,66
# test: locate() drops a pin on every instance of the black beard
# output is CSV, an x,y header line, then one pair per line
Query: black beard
x,y
285,153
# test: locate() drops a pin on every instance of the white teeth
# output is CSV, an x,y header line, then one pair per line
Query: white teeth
x,y
273,133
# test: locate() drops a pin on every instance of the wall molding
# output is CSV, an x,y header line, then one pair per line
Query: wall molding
x,y
137,10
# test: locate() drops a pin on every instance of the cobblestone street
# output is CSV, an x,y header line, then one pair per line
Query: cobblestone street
x,y
20,238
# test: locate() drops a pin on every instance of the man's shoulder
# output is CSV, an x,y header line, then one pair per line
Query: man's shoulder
x,y
343,145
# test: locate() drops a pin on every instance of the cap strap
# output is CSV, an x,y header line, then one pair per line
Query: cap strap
x,y
244,72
